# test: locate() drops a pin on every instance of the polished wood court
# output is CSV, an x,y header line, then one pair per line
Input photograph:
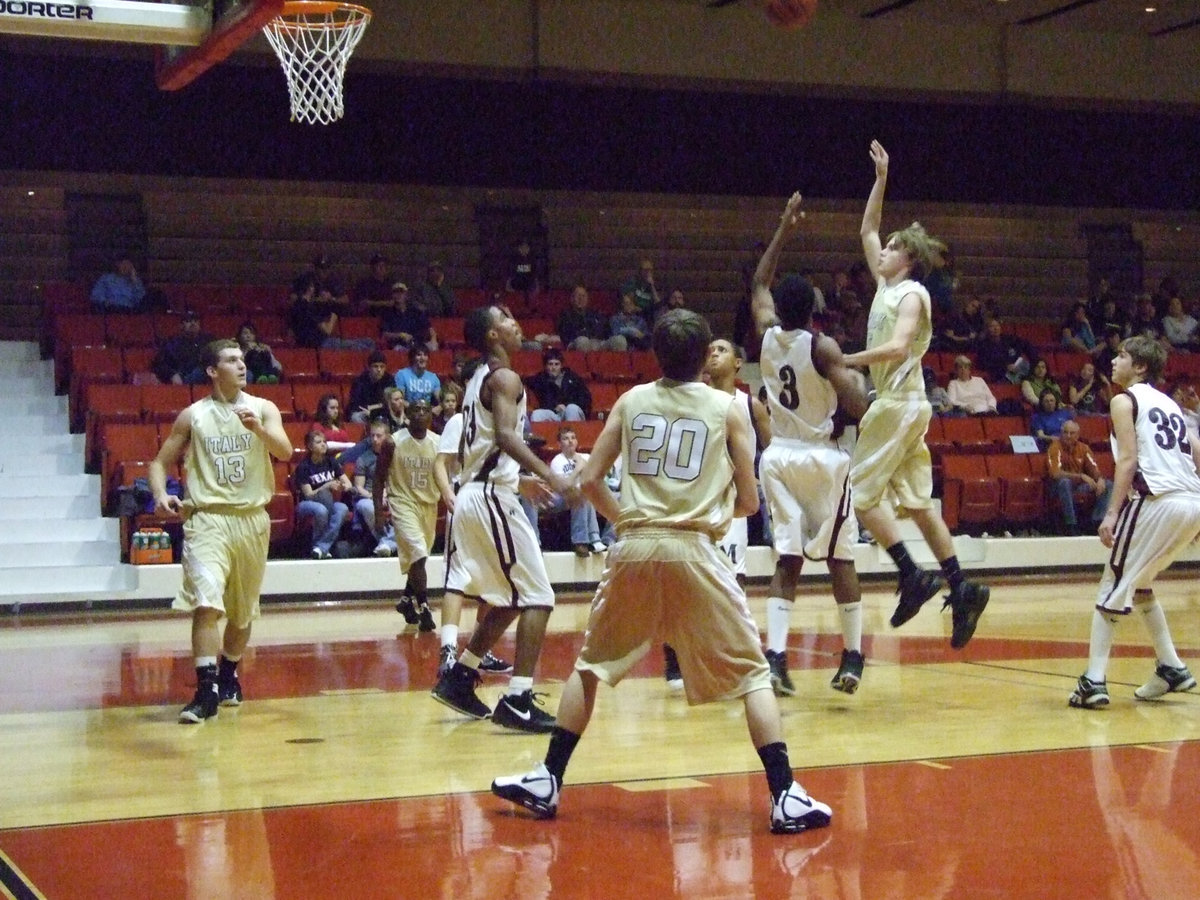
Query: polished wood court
x,y
951,774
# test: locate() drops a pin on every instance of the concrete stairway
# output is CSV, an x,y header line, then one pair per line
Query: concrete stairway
x,y
54,544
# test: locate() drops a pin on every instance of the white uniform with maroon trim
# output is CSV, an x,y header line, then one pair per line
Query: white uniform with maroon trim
x,y
496,557
1161,518
736,540
805,473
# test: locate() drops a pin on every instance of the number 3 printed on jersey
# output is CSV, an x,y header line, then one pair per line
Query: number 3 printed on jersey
x,y
1172,431
674,448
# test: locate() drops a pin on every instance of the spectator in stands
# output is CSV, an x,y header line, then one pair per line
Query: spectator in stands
x,y
456,377
630,324
1110,315
452,396
380,534
330,288
1077,332
969,394
941,284
1038,380
178,360
403,325
366,392
1112,347
261,365
436,298
120,290
642,287
1003,356
313,320
1146,321
417,382
585,527
562,395
320,484
581,328
394,406
938,397
1089,392
853,321
373,294
328,421
523,270
1178,327
1047,421
1075,479
962,330
675,300
1183,392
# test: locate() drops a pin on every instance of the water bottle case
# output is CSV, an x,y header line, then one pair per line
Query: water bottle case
x,y
150,547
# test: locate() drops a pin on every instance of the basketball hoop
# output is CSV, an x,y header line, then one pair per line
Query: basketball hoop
x,y
313,41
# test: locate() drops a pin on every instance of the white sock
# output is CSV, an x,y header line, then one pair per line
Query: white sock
x,y
1160,634
1104,626
519,684
851,617
202,661
779,614
469,659
450,635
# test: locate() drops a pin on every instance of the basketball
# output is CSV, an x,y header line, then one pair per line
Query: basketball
x,y
790,14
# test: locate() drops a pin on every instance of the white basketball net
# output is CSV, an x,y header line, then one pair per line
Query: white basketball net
x,y
313,41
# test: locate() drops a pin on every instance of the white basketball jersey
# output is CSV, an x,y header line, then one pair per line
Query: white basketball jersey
x,y
480,458
801,402
1164,451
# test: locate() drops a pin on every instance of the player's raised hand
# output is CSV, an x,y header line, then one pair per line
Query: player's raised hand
x,y
880,158
248,417
792,213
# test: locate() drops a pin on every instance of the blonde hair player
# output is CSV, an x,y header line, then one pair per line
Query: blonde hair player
x,y
689,468
1155,516
225,442
891,455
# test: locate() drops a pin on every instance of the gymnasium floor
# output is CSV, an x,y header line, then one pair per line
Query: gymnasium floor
x,y
951,774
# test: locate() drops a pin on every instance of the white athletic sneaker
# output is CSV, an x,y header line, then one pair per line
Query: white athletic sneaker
x,y
537,791
794,811
1166,680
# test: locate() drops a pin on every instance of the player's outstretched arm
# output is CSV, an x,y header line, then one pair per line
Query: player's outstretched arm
x,y
873,214
762,304
848,383
1125,435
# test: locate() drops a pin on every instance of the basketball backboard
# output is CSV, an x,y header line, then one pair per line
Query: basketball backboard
x,y
192,35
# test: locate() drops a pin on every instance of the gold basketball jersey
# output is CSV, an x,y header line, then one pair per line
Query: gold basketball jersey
x,y
227,467
902,377
678,472
411,472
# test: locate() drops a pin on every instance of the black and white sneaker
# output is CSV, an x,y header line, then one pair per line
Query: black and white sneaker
x,y
1088,694
523,712
1166,680
445,659
781,682
229,691
456,689
407,607
966,606
849,673
203,706
671,668
914,591
794,811
537,791
494,665
425,619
